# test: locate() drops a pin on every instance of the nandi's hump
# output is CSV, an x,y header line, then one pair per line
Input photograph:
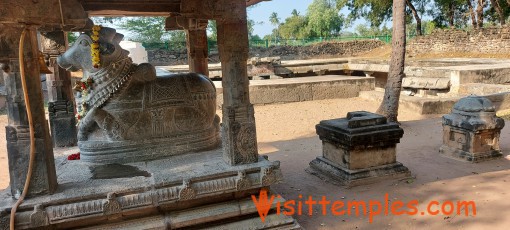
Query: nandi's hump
x,y
194,82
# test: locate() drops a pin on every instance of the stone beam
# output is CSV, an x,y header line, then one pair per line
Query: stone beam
x,y
44,178
191,8
60,97
47,14
131,7
239,133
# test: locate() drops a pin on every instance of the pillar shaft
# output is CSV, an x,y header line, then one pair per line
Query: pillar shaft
x,y
239,133
44,178
60,97
197,51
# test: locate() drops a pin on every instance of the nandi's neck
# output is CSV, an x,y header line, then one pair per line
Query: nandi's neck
x,y
109,80
114,69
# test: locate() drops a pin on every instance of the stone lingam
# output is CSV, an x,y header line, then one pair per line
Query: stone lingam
x,y
128,114
471,131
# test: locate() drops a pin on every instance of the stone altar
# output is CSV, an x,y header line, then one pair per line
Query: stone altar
x,y
129,114
358,149
471,131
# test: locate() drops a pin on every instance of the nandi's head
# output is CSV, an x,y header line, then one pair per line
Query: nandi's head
x,y
79,55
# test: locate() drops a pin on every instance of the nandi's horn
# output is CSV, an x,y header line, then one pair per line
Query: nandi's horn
x,y
118,38
107,34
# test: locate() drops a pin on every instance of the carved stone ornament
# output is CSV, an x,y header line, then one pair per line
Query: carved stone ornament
x,y
242,182
111,205
267,176
39,217
186,192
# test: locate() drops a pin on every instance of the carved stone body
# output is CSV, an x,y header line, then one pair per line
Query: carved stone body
x,y
129,114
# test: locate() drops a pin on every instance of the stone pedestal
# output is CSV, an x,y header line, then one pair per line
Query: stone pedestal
x,y
44,179
192,191
60,97
471,131
358,149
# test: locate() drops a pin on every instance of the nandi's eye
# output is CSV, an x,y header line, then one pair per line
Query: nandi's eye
x,y
84,43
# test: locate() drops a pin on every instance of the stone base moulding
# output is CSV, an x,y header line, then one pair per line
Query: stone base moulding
x,y
196,190
467,156
329,171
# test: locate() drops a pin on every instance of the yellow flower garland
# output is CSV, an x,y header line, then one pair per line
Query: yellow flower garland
x,y
84,87
94,48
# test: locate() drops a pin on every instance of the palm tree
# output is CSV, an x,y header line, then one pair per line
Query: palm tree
x,y
389,105
296,13
275,21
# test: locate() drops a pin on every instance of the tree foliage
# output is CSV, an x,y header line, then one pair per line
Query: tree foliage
x,y
324,19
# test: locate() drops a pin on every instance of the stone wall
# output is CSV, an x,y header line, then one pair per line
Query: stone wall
x,y
491,40
319,50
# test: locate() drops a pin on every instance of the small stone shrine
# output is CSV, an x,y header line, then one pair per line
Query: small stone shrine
x,y
358,149
471,131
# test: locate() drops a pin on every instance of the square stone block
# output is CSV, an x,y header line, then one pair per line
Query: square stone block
x,y
358,149
471,131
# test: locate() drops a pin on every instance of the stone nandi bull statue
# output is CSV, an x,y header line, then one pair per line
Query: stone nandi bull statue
x,y
128,114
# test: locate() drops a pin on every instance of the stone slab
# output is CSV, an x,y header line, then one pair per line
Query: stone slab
x,y
285,68
329,171
303,89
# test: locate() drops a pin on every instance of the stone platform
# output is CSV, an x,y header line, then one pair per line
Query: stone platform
x,y
303,89
440,105
186,191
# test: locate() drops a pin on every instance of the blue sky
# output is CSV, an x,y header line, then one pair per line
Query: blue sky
x,y
261,12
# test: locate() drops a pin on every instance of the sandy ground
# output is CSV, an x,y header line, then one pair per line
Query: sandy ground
x,y
286,132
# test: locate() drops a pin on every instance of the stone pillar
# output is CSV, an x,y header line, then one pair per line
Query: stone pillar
x,y
238,127
196,39
60,97
44,178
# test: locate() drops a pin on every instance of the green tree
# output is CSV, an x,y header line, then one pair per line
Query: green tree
x,y
294,27
364,30
324,19
450,13
145,29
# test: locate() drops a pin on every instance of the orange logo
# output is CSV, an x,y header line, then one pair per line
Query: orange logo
x,y
372,208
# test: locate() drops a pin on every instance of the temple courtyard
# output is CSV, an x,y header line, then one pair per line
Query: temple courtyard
x,y
286,133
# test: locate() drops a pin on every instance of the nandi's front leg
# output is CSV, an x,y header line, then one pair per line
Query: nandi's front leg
x,y
111,128
87,125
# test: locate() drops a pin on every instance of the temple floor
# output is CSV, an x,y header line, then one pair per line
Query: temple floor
x,y
286,133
